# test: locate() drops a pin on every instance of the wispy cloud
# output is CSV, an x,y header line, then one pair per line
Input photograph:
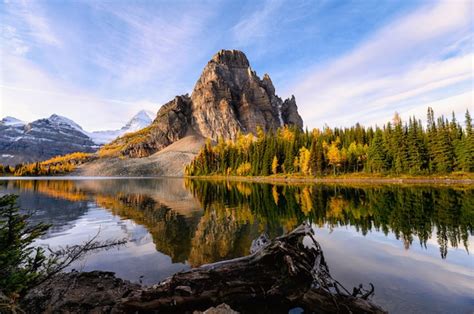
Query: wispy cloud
x,y
258,24
27,20
127,59
344,61
150,46
30,93
405,60
12,42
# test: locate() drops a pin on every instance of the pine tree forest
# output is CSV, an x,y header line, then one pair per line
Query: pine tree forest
x,y
442,146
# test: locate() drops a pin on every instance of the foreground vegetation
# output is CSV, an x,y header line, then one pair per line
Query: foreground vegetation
x,y
23,265
396,149
54,166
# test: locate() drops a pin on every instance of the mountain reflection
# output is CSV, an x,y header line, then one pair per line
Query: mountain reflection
x,y
199,222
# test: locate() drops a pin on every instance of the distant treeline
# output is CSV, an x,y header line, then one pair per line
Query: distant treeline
x,y
56,165
399,147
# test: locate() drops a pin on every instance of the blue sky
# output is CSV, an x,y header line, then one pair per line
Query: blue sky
x,y
99,62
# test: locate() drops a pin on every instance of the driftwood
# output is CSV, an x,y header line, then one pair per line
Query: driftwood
x,y
279,275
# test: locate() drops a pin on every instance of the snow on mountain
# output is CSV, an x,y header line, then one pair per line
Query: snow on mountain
x,y
142,119
63,121
139,121
41,139
56,135
11,121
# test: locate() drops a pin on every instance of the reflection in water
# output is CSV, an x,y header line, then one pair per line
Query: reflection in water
x,y
171,231
234,213
174,224
404,211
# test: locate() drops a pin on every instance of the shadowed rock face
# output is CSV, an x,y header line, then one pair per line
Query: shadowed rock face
x,y
170,125
227,99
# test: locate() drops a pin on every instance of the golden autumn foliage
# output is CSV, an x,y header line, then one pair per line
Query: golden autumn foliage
x,y
287,134
244,169
75,158
306,202
275,165
118,147
275,194
56,165
337,205
304,161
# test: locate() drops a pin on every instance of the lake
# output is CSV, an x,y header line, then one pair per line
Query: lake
x,y
413,243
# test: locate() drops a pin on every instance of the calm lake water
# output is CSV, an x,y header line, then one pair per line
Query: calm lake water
x,y
413,243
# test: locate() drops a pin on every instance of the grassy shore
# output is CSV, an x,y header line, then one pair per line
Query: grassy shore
x,y
462,178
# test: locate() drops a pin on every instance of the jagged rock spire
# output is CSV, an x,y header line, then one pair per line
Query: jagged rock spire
x,y
228,98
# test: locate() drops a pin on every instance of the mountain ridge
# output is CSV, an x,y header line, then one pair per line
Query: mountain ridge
x,y
41,139
44,138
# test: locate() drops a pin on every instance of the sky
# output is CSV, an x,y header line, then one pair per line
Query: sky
x,y
100,62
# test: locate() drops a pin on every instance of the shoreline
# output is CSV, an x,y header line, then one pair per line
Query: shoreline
x,y
446,180
342,180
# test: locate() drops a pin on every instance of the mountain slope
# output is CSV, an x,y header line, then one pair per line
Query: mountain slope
x,y
228,98
139,121
41,139
167,162
11,121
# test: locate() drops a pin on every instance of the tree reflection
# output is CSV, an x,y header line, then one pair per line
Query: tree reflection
x,y
407,212
234,213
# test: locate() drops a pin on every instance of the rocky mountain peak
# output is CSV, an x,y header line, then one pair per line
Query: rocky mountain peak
x,y
229,98
60,120
268,84
11,121
231,58
142,119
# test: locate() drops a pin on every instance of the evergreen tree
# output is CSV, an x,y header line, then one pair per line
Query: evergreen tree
x,y
443,149
316,159
466,149
397,148
377,154
431,139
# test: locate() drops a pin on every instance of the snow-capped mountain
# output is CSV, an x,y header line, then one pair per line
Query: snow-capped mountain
x,y
11,121
139,121
41,139
57,135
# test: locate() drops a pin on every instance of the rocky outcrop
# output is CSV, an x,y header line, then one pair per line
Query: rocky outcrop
x,y
228,98
78,292
289,112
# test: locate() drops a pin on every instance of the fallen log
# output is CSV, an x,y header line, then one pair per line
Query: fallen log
x,y
285,273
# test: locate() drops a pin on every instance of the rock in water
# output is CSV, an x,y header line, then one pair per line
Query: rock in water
x,y
228,98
